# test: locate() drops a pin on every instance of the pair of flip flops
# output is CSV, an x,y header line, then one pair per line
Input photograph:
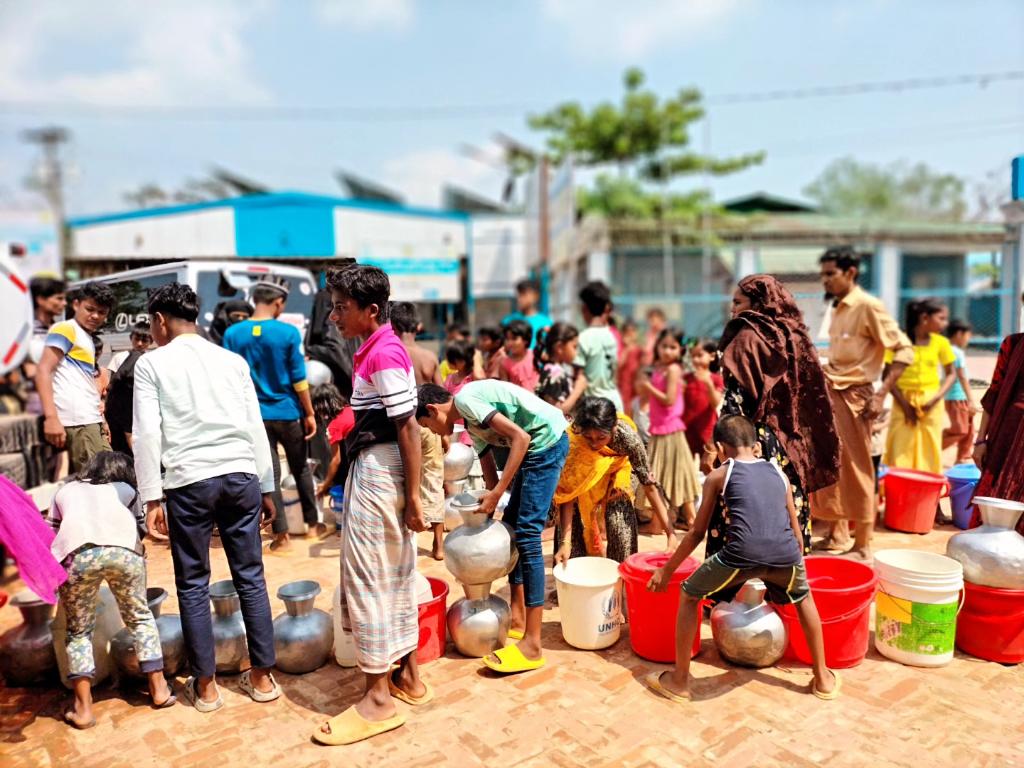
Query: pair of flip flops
x,y
653,682
350,727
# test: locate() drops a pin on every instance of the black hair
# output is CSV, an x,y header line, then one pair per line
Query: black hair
x,y
916,310
557,333
460,351
45,287
267,294
957,325
596,297
628,323
520,328
142,327
100,293
174,300
109,467
528,285
844,256
430,394
597,413
711,347
656,312
327,401
460,329
491,332
365,285
674,333
404,317
736,430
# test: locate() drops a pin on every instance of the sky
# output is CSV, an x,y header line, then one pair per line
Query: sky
x,y
425,79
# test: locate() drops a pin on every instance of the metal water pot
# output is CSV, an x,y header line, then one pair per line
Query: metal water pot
x,y
993,554
480,550
303,635
230,647
458,462
26,651
172,639
478,626
747,631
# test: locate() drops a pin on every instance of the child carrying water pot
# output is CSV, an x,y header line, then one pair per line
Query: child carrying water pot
x,y
762,541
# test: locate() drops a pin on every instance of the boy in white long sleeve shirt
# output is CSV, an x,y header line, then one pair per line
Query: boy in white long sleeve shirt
x,y
196,412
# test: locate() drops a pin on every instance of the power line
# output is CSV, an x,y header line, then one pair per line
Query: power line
x,y
379,114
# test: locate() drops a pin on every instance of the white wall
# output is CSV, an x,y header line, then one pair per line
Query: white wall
x,y
192,234
498,255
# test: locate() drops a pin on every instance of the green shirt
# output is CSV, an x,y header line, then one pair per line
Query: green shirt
x,y
479,401
598,354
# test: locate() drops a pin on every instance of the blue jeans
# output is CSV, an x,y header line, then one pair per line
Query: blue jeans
x,y
532,492
231,501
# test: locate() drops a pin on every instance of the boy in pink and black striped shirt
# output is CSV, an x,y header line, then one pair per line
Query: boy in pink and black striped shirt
x,y
380,518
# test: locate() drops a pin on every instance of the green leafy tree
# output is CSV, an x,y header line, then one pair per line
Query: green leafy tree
x,y
646,137
848,187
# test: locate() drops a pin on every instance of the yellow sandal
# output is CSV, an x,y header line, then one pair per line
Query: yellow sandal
x,y
511,661
398,693
350,727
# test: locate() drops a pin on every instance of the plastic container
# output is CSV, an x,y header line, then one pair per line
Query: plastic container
x,y
432,611
963,479
916,607
589,601
337,494
991,624
911,498
843,591
344,643
652,615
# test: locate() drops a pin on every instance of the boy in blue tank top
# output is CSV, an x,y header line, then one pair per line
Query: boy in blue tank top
x,y
762,541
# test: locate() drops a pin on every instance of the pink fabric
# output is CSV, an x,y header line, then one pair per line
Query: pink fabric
x,y
382,350
454,386
522,372
666,419
28,539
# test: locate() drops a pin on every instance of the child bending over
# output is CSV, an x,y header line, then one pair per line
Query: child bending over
x,y
762,541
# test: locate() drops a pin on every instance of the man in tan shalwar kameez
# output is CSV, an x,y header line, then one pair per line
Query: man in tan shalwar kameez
x,y
859,333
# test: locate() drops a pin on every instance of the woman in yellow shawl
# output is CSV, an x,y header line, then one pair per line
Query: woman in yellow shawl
x,y
605,451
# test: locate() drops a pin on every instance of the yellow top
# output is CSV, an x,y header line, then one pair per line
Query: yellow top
x,y
926,372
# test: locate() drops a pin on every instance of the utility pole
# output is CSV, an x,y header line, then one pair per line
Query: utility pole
x,y
51,176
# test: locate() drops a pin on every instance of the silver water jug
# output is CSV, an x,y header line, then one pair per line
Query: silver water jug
x,y
478,626
26,651
993,554
747,631
172,639
230,647
303,635
458,462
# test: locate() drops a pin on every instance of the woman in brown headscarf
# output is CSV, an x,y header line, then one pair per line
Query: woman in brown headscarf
x,y
773,377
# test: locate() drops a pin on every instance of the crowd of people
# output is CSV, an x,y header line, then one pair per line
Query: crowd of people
x,y
599,431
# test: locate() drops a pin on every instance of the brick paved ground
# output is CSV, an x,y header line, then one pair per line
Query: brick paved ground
x,y
585,708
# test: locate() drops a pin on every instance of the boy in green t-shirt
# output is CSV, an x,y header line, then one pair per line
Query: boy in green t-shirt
x,y
597,353
498,413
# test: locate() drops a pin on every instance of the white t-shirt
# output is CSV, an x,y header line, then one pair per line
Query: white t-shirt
x,y
117,360
74,382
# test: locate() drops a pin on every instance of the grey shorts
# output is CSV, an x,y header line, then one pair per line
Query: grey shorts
x,y
784,585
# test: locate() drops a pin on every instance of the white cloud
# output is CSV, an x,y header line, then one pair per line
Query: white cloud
x,y
367,14
152,53
629,30
421,174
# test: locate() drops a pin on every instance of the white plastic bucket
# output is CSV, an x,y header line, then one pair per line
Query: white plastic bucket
x,y
344,643
918,599
590,602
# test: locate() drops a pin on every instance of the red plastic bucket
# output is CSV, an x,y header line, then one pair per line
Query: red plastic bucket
x,y
652,615
911,498
843,592
991,624
432,625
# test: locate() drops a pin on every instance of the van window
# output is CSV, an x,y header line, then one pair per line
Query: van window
x,y
132,299
216,287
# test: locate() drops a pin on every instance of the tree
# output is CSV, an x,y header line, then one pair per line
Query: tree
x,y
848,187
647,138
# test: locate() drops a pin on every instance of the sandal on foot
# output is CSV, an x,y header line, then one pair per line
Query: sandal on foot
x,y
834,693
245,683
170,701
191,696
654,684
511,661
516,634
69,718
350,727
398,693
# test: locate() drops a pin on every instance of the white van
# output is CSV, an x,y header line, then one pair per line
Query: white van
x,y
214,282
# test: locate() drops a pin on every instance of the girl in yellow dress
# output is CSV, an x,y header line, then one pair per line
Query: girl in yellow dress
x,y
917,419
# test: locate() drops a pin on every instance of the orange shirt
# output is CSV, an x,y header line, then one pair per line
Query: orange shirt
x,y
860,334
